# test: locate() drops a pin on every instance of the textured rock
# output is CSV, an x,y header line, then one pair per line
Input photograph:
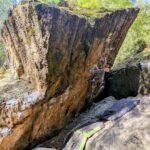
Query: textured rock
x,y
131,80
81,135
123,82
44,149
130,132
86,118
52,50
144,87
52,45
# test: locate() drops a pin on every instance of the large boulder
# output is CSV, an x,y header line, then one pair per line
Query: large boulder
x,y
51,45
123,82
130,132
86,118
144,87
50,52
131,78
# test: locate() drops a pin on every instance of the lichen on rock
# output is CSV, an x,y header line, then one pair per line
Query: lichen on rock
x,y
50,52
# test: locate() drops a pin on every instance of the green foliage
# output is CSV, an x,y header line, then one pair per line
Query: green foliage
x,y
117,4
109,4
4,7
89,3
140,31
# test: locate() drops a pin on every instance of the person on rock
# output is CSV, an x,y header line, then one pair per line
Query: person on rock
x,y
97,78
98,74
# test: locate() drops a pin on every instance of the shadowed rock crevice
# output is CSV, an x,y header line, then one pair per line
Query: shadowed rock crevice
x,y
123,83
130,80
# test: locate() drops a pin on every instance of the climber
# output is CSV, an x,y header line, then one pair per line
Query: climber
x,y
98,74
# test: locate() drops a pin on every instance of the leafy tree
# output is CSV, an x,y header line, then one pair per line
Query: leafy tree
x,y
89,3
115,4
4,7
140,31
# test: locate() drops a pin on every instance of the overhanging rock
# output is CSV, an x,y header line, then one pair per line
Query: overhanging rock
x,y
54,49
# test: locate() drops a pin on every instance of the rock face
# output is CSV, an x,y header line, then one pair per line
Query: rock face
x,y
86,118
51,45
130,80
130,132
144,87
123,82
52,50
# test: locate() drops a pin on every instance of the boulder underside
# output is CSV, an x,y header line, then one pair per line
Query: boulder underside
x,y
130,80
